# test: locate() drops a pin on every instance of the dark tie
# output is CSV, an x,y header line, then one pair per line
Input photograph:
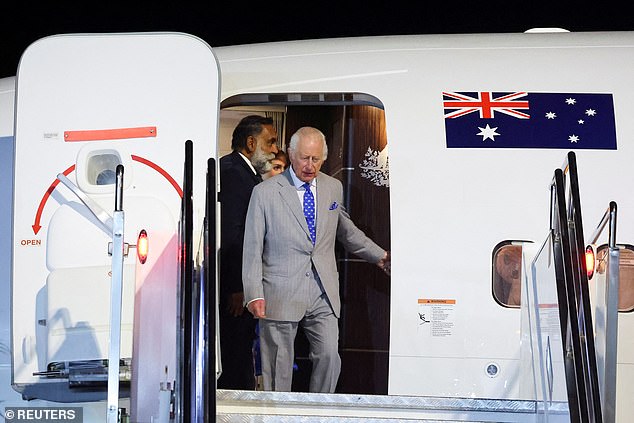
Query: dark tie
x,y
309,210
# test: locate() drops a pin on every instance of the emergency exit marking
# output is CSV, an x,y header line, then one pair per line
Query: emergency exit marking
x,y
31,242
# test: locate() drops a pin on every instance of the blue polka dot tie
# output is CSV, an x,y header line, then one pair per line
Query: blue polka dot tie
x,y
309,210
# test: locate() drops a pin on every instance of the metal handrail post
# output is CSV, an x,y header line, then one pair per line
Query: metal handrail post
x,y
612,323
116,292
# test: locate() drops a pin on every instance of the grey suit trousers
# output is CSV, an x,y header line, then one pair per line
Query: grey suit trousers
x,y
277,341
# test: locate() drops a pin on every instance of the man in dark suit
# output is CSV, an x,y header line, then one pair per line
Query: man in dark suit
x,y
254,144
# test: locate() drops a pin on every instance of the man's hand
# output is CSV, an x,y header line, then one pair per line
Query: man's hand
x,y
386,263
257,308
236,304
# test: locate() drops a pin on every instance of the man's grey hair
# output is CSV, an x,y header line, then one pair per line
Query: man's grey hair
x,y
308,130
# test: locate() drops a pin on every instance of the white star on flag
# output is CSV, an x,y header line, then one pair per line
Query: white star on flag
x,y
487,132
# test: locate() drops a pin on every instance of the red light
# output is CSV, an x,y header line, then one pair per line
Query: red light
x,y
590,260
142,246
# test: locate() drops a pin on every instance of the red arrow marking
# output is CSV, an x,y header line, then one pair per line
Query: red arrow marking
x,y
36,225
160,170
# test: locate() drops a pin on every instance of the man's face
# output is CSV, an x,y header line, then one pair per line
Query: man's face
x,y
265,149
308,157
267,140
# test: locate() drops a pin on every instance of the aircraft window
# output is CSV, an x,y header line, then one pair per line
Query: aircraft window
x,y
507,269
101,167
626,274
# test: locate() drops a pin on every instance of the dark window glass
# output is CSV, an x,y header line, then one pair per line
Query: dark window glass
x,y
507,270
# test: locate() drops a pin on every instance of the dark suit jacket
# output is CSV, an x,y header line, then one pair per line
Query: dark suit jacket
x,y
236,184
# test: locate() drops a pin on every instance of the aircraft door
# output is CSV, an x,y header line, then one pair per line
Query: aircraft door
x,y
85,104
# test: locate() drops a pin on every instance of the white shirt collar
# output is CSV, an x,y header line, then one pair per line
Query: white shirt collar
x,y
246,159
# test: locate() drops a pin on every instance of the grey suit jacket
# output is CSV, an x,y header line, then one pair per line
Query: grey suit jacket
x,y
278,254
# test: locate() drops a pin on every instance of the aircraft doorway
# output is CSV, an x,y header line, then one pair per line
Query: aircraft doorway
x,y
354,126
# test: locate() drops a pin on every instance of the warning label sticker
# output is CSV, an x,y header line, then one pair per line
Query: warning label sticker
x,y
436,316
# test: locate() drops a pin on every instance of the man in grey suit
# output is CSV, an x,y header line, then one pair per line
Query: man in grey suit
x,y
289,273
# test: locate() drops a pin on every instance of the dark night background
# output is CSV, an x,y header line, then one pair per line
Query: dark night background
x,y
233,22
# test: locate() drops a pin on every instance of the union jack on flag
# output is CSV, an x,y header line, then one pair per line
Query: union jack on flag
x,y
486,104
522,119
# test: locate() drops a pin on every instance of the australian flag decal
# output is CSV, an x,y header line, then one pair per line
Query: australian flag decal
x,y
529,120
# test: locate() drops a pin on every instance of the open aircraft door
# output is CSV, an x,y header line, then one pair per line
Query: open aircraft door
x,y
85,104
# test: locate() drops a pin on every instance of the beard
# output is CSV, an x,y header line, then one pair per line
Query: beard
x,y
261,161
